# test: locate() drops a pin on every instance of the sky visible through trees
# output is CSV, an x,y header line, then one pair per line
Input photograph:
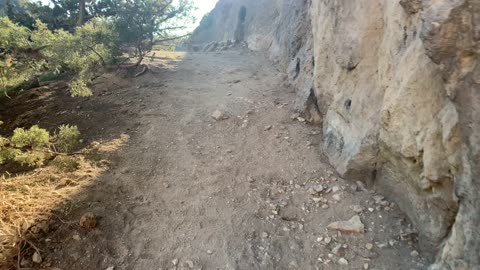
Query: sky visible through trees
x,y
204,6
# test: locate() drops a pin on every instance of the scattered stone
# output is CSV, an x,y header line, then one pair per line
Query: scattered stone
x,y
392,242
325,206
414,253
369,246
175,262
361,185
337,197
316,199
110,268
88,221
354,225
267,128
342,261
327,240
166,185
24,262
335,188
264,235
378,198
357,208
209,252
318,188
339,250
236,81
189,264
301,119
76,237
218,115
365,266
250,179
36,257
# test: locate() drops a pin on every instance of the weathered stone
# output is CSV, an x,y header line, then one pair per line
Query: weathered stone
x,y
36,257
88,221
218,115
353,225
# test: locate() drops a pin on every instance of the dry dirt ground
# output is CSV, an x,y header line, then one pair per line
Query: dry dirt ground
x,y
192,192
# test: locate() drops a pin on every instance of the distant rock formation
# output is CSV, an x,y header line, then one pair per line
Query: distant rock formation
x,y
396,87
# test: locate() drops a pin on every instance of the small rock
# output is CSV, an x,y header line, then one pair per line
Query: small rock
x,y
327,240
264,235
337,197
76,237
301,119
335,188
342,261
110,268
392,242
414,253
209,252
175,262
365,266
88,221
369,246
24,262
378,198
189,264
325,206
166,185
354,225
36,257
266,128
338,250
218,115
318,188
361,185
357,208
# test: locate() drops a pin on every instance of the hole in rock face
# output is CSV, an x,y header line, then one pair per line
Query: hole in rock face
x,y
240,30
348,104
297,69
242,14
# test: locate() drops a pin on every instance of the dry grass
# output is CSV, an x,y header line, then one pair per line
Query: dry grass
x,y
27,201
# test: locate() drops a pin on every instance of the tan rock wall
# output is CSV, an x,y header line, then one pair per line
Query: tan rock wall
x,y
396,86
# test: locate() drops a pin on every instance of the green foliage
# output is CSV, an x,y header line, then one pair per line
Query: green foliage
x,y
143,23
68,138
33,138
32,146
30,52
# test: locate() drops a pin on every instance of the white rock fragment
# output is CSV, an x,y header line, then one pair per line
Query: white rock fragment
x,y
353,225
218,115
36,257
342,261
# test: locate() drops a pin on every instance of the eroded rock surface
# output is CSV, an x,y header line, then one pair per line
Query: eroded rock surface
x,y
396,87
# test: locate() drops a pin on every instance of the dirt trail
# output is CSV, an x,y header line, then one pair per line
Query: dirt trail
x,y
229,194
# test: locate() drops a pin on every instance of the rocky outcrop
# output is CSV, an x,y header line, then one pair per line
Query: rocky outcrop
x,y
396,87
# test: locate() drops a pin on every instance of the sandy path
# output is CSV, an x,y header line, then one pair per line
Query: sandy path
x,y
224,194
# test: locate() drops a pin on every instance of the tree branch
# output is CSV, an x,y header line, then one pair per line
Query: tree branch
x,y
169,39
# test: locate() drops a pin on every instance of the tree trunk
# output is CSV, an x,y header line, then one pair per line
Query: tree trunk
x,y
81,13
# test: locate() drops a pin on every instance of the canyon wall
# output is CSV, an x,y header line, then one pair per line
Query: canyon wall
x,y
395,85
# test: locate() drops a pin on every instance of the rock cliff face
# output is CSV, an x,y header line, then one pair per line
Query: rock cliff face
x,y
396,87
